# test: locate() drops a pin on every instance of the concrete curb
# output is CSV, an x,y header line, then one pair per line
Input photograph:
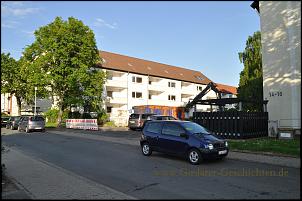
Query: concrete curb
x,y
113,129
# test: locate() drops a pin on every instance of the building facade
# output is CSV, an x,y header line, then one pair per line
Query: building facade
x,y
281,61
136,82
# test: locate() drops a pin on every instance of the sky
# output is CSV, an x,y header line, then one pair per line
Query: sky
x,y
205,36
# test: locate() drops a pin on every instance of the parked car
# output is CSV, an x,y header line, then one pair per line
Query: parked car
x,y
136,121
161,117
158,117
13,122
182,138
31,123
4,121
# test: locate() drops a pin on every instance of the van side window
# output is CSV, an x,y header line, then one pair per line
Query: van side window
x,y
172,129
154,127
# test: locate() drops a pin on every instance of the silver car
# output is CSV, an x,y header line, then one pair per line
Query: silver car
x,y
136,120
31,123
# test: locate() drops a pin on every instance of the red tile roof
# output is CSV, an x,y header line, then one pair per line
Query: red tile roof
x,y
124,63
226,88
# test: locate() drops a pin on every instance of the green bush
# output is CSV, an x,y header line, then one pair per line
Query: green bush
x,y
52,115
102,117
74,115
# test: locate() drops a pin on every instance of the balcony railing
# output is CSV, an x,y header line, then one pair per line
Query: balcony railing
x,y
117,100
188,90
116,83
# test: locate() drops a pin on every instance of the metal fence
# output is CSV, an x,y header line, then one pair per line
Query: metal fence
x,y
235,124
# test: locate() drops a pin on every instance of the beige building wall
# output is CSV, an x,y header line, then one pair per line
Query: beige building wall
x,y
281,60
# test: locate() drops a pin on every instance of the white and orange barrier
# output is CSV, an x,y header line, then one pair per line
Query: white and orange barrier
x,y
86,124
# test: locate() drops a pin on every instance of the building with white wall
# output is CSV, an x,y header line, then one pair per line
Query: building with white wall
x,y
135,82
281,61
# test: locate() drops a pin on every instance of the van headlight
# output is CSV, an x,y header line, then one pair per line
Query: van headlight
x,y
226,143
211,146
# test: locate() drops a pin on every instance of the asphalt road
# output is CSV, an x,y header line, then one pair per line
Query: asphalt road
x,y
123,168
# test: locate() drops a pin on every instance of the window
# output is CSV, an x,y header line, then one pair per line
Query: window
x,y
150,82
199,88
109,109
154,127
109,94
172,97
137,79
137,95
172,129
150,96
171,84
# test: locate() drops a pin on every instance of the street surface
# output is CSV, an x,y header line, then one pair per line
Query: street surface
x,y
123,168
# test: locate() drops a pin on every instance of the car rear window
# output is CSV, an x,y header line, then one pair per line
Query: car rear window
x,y
36,119
154,127
134,116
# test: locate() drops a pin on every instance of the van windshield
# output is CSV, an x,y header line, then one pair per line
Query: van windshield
x,y
134,116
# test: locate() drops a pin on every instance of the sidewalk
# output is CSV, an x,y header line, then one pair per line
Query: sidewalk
x,y
236,155
47,181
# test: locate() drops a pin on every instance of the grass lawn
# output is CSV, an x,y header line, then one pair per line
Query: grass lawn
x,y
272,145
53,125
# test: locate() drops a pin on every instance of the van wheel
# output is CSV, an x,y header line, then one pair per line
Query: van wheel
x,y
194,156
146,149
27,130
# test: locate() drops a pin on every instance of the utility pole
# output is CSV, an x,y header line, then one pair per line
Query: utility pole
x,y
35,101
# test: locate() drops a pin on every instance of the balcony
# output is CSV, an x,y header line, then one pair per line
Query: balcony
x,y
117,100
188,91
156,88
116,83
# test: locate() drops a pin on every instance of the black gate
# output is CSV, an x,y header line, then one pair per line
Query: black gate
x,y
235,124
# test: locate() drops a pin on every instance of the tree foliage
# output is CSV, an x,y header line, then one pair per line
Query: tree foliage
x,y
251,79
63,57
13,79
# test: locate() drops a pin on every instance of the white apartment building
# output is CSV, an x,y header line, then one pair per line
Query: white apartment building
x,y
281,61
137,82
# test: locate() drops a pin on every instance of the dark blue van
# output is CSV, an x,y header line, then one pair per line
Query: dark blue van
x,y
182,138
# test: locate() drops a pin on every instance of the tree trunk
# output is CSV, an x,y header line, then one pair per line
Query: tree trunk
x,y
59,121
19,105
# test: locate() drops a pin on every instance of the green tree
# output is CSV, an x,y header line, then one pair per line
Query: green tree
x,y
251,79
66,54
12,81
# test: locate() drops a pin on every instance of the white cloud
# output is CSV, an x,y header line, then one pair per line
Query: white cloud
x,y
100,22
17,9
9,24
29,33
